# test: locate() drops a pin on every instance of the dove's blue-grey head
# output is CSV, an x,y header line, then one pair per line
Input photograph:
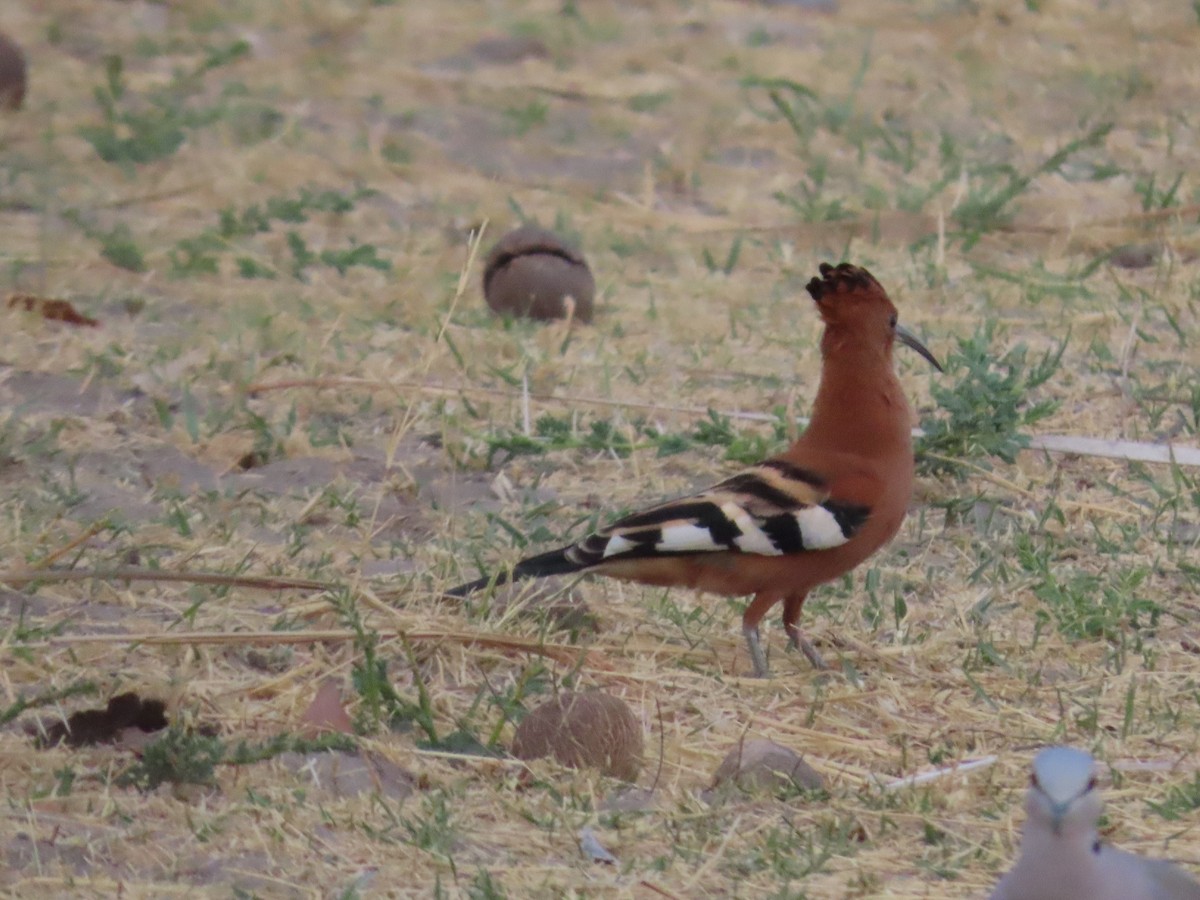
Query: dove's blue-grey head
x,y
1062,790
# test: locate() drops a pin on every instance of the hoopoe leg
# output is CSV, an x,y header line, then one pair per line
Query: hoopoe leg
x,y
754,613
796,639
757,658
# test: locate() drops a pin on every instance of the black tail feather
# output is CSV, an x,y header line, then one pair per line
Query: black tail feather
x,y
554,562
472,586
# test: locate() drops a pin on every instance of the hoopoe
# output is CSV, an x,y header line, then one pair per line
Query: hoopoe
x,y
780,528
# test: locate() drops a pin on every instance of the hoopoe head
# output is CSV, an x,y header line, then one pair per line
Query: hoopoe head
x,y
855,307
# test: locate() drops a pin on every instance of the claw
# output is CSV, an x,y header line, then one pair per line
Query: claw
x,y
797,641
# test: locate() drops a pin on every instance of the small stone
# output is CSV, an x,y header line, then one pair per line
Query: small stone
x,y
343,774
760,764
583,730
628,798
533,273
1136,256
593,849
508,50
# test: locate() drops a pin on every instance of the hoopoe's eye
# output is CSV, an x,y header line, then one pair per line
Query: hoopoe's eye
x,y
1091,783
1033,782
892,321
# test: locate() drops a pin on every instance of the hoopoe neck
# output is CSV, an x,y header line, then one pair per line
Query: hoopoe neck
x,y
860,406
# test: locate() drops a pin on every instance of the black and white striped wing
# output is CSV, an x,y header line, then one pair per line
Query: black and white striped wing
x,y
772,509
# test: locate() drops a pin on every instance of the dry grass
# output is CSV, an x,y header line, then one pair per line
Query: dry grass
x,y
1051,599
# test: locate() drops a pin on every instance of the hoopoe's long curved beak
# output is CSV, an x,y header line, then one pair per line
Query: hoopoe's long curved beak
x,y
908,339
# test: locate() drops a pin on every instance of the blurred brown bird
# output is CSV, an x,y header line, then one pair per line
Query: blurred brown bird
x,y
783,526
13,74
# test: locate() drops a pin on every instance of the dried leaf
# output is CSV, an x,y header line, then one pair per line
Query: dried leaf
x,y
326,712
54,310
95,726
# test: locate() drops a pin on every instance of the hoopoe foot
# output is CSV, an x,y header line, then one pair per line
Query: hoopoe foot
x,y
797,641
757,658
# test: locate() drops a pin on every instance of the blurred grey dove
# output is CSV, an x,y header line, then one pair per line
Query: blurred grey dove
x,y
1061,854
